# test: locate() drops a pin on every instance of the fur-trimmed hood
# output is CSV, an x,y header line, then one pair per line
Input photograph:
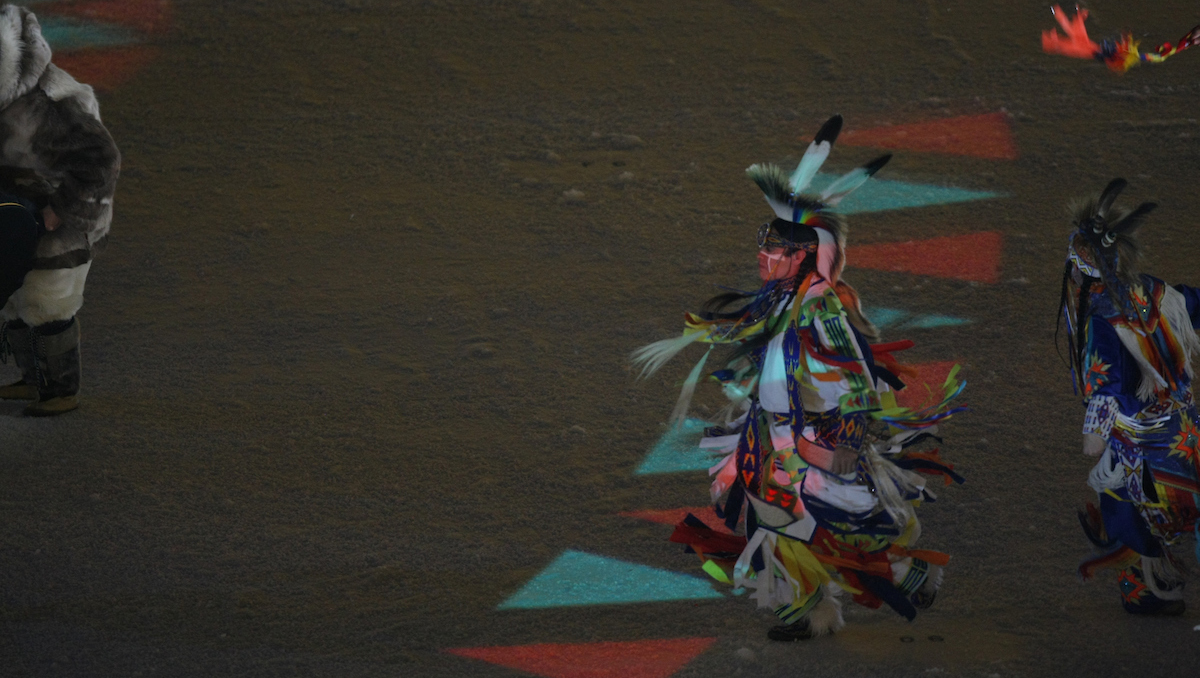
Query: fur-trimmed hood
x,y
24,53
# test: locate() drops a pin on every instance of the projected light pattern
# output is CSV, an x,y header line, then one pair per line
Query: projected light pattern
x,y
634,659
103,43
896,318
676,515
578,578
981,136
677,450
879,195
974,257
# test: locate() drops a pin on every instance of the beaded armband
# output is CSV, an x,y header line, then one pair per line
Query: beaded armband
x,y
1102,413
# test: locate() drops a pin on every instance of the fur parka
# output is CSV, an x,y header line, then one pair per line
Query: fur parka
x,y
53,147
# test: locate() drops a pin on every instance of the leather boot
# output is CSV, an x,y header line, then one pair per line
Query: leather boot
x,y
18,344
56,351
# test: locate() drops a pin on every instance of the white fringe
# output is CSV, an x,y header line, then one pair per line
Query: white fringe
x,y
892,483
1159,570
679,414
1174,312
1151,380
1174,309
652,357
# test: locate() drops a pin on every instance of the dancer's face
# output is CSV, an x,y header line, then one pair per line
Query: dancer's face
x,y
777,263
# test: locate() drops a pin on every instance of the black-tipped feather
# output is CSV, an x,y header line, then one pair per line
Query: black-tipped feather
x,y
829,131
877,164
1133,220
1105,238
1109,195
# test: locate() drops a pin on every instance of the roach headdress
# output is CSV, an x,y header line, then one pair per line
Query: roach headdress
x,y
806,221
1102,244
1101,254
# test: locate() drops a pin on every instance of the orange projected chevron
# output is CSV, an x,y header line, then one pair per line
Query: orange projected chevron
x,y
675,516
636,659
974,257
106,69
104,42
927,387
980,136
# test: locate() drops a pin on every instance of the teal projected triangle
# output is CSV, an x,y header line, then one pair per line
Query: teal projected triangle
x,y
578,578
678,450
885,317
65,35
878,195
900,319
926,322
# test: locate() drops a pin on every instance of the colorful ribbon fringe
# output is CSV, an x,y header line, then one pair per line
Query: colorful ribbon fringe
x,y
928,415
1119,55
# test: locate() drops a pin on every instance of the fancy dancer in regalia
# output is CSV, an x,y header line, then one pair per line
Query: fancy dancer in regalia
x,y
820,463
1131,341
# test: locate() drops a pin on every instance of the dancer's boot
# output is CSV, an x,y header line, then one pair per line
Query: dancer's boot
x,y
17,343
56,351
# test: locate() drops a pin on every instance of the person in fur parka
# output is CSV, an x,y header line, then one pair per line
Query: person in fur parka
x,y
56,153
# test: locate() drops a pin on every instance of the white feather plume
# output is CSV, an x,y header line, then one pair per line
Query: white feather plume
x,y
852,180
844,186
782,210
813,158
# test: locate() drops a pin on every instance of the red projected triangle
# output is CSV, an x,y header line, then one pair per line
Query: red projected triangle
x,y
675,516
931,375
149,16
980,136
105,69
974,257
637,659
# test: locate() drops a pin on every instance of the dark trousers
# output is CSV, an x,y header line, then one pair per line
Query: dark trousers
x,y
19,232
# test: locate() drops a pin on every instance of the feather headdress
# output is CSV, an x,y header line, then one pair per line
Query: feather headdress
x,y
803,220
1101,250
785,194
1102,244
